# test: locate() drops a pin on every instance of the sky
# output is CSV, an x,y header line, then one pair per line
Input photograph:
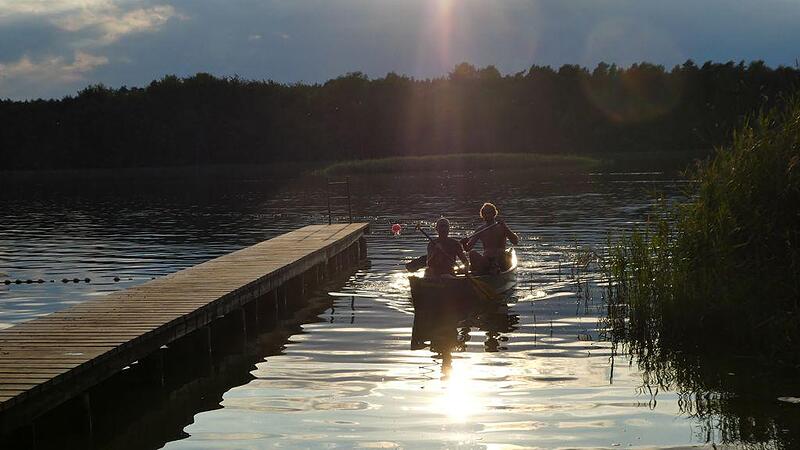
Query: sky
x,y
53,48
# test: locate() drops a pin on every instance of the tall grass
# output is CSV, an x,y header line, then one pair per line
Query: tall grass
x,y
721,271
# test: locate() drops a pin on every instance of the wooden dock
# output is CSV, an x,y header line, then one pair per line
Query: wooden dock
x,y
48,361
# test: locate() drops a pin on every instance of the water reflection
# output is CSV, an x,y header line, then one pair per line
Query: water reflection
x,y
445,331
733,400
365,373
448,331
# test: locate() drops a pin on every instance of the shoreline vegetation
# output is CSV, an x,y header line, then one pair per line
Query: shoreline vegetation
x,y
204,120
706,296
720,273
462,162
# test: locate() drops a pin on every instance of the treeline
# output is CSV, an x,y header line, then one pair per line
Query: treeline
x,y
208,120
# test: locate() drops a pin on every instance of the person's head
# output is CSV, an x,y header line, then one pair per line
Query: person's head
x,y
443,227
488,212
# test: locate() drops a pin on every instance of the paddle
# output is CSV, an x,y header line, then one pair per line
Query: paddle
x,y
417,263
477,284
422,261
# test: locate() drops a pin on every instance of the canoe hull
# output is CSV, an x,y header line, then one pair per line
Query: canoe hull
x,y
460,292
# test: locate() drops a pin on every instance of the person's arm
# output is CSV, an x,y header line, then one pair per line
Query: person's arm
x,y
469,243
463,257
509,234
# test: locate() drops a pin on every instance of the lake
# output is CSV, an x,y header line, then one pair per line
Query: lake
x,y
537,373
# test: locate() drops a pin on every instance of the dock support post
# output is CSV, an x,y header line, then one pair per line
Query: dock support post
x,y
87,408
68,426
267,310
319,270
250,311
152,368
282,306
228,334
187,357
295,293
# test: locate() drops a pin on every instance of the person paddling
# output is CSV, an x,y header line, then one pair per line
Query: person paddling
x,y
493,240
442,252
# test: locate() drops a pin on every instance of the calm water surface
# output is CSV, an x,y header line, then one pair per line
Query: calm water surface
x,y
535,374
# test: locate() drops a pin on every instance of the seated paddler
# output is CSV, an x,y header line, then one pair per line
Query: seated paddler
x,y
443,251
492,235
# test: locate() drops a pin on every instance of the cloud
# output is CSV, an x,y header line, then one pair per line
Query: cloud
x,y
52,69
16,8
105,21
49,46
111,22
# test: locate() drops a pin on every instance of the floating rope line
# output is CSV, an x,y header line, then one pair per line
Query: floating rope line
x,y
40,281
7,282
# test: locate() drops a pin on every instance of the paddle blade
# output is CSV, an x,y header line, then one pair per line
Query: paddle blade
x,y
417,263
484,290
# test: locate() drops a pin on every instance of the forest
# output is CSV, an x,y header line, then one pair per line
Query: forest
x,y
208,120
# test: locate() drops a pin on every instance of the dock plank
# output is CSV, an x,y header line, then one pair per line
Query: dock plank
x,y
77,347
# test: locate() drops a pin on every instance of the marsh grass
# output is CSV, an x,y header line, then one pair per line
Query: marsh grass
x,y
463,161
721,272
705,296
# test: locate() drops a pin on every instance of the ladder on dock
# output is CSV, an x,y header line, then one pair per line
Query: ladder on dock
x,y
340,196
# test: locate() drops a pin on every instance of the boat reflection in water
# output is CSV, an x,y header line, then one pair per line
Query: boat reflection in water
x,y
446,330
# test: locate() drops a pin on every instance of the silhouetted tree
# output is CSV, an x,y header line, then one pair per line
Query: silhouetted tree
x,y
208,120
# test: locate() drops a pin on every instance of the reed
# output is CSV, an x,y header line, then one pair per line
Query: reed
x,y
722,270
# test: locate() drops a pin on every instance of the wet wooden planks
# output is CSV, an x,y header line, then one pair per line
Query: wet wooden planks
x,y
47,360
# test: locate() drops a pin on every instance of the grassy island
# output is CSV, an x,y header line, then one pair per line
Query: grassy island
x,y
463,161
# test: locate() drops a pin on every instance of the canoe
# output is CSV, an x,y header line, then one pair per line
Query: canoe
x,y
460,292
